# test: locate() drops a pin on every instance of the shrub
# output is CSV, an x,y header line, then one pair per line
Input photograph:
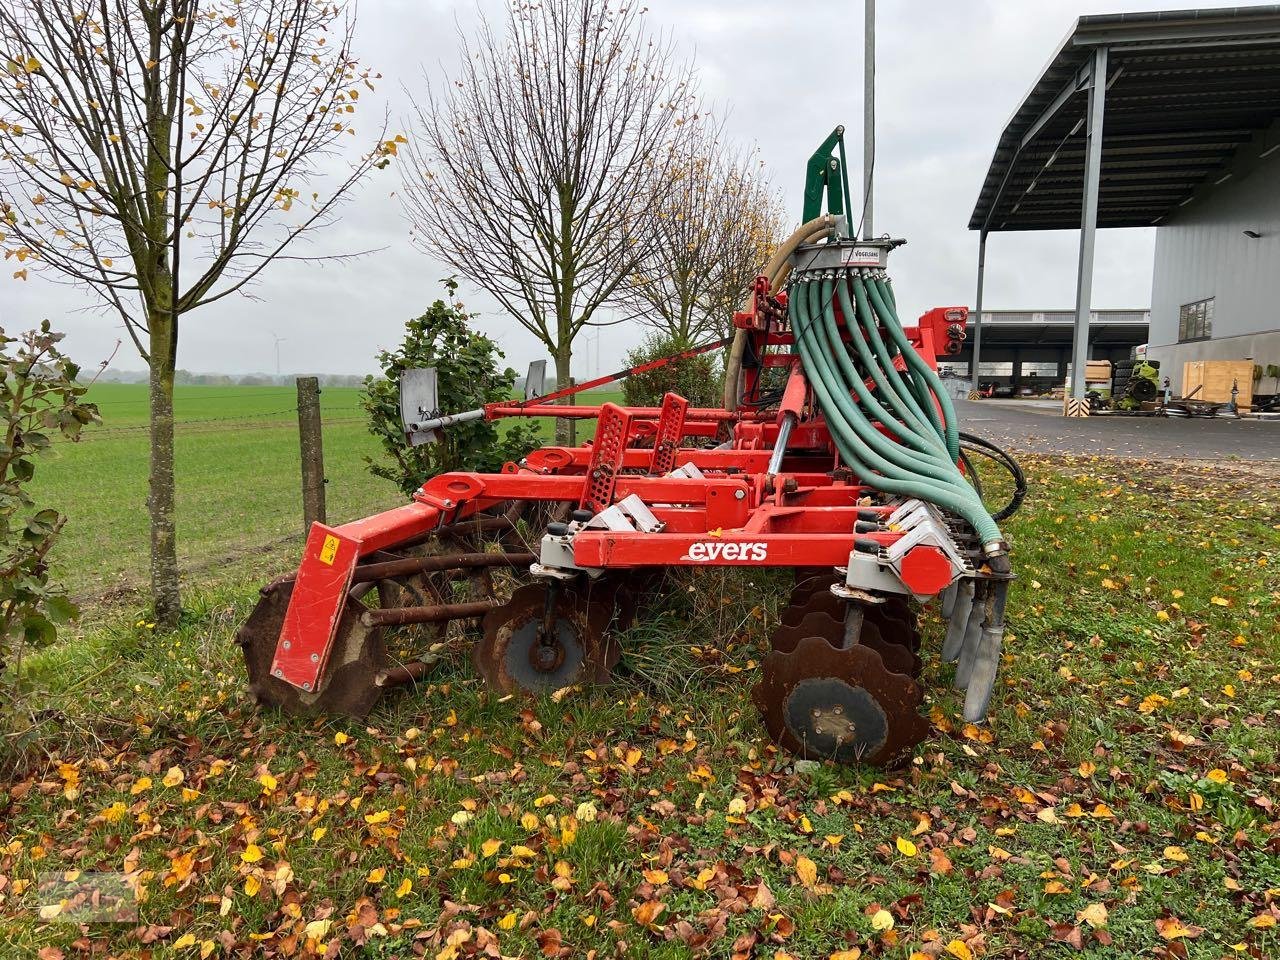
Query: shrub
x,y
468,376
39,397
697,379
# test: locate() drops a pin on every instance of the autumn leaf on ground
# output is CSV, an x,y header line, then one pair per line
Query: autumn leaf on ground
x,y
807,871
1171,928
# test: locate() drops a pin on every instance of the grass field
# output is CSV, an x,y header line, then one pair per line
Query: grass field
x,y
239,500
1121,803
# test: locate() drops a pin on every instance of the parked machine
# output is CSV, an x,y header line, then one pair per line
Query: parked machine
x,y
836,453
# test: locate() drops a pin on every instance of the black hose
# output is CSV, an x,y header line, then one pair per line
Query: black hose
x,y
991,451
971,473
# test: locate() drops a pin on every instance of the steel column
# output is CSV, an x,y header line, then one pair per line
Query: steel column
x,y
977,308
868,116
1089,220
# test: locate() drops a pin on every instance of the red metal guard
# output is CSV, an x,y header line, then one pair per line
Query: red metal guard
x,y
670,432
610,445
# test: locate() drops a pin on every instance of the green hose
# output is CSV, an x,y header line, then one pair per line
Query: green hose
x,y
916,461
929,376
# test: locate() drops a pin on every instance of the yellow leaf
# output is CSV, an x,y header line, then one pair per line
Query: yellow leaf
x,y
184,941
206,949
508,922
268,783
529,821
905,847
853,954
1175,853
317,929
1220,601
807,871
1216,775
545,800
960,950
490,847
656,877
341,738
376,875
406,886
318,834
704,877
1263,921
139,785
882,919
737,806
1095,915
252,853
380,816
252,885
32,64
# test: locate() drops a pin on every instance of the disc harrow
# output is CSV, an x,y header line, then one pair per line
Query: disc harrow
x,y
836,453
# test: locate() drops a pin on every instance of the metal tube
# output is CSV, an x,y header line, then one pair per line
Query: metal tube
x,y
975,356
456,561
1089,221
438,422
868,116
439,613
780,447
402,675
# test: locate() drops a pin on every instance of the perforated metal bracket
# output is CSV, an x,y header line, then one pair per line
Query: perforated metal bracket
x,y
670,432
612,430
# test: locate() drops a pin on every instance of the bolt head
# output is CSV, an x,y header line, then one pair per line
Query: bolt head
x,y
315,658
278,672
739,494
306,686
288,644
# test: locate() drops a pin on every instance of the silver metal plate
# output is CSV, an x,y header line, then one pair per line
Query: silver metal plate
x,y
419,401
535,382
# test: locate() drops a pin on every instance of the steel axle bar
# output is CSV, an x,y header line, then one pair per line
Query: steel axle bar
x,y
438,613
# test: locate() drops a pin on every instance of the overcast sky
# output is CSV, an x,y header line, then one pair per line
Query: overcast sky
x,y
949,76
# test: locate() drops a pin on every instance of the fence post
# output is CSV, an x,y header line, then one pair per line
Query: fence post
x,y
311,446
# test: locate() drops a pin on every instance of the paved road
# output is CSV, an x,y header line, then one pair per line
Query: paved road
x,y
1042,429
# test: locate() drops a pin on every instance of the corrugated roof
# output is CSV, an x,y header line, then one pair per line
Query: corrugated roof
x,y
1186,89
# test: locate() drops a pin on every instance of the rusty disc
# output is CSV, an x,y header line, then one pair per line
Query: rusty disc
x,y
821,702
888,616
897,657
514,656
348,685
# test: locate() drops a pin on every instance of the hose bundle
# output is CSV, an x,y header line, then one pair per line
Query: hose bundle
x,y
916,453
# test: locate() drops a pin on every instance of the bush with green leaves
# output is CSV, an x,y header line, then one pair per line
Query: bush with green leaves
x,y
39,398
469,375
697,379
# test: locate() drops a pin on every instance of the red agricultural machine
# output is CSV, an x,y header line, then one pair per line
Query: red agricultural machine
x,y
836,453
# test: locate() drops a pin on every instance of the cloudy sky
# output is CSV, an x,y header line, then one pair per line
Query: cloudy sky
x,y
949,76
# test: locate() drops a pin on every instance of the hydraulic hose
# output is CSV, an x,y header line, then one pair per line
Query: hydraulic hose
x,y
918,460
776,271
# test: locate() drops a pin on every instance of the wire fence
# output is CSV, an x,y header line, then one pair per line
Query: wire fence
x,y
260,420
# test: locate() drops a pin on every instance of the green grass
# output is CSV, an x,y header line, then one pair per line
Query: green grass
x,y
1130,766
238,480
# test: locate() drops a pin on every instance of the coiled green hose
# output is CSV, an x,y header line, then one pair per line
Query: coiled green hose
x,y
915,455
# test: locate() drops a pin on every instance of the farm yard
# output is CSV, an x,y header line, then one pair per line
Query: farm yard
x,y
1122,800
854,624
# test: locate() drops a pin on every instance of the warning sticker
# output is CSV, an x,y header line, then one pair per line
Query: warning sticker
x,y
329,550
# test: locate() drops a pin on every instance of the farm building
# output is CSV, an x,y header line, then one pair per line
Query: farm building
x,y
1158,119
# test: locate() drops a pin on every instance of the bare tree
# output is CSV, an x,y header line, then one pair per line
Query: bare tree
x,y
162,153
715,232
535,173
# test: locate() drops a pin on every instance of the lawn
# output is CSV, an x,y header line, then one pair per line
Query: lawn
x,y
1120,803
238,476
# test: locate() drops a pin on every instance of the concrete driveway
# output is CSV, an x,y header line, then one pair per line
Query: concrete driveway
x,y
1040,428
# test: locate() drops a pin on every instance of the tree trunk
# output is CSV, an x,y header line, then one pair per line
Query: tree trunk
x,y
160,494
565,432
